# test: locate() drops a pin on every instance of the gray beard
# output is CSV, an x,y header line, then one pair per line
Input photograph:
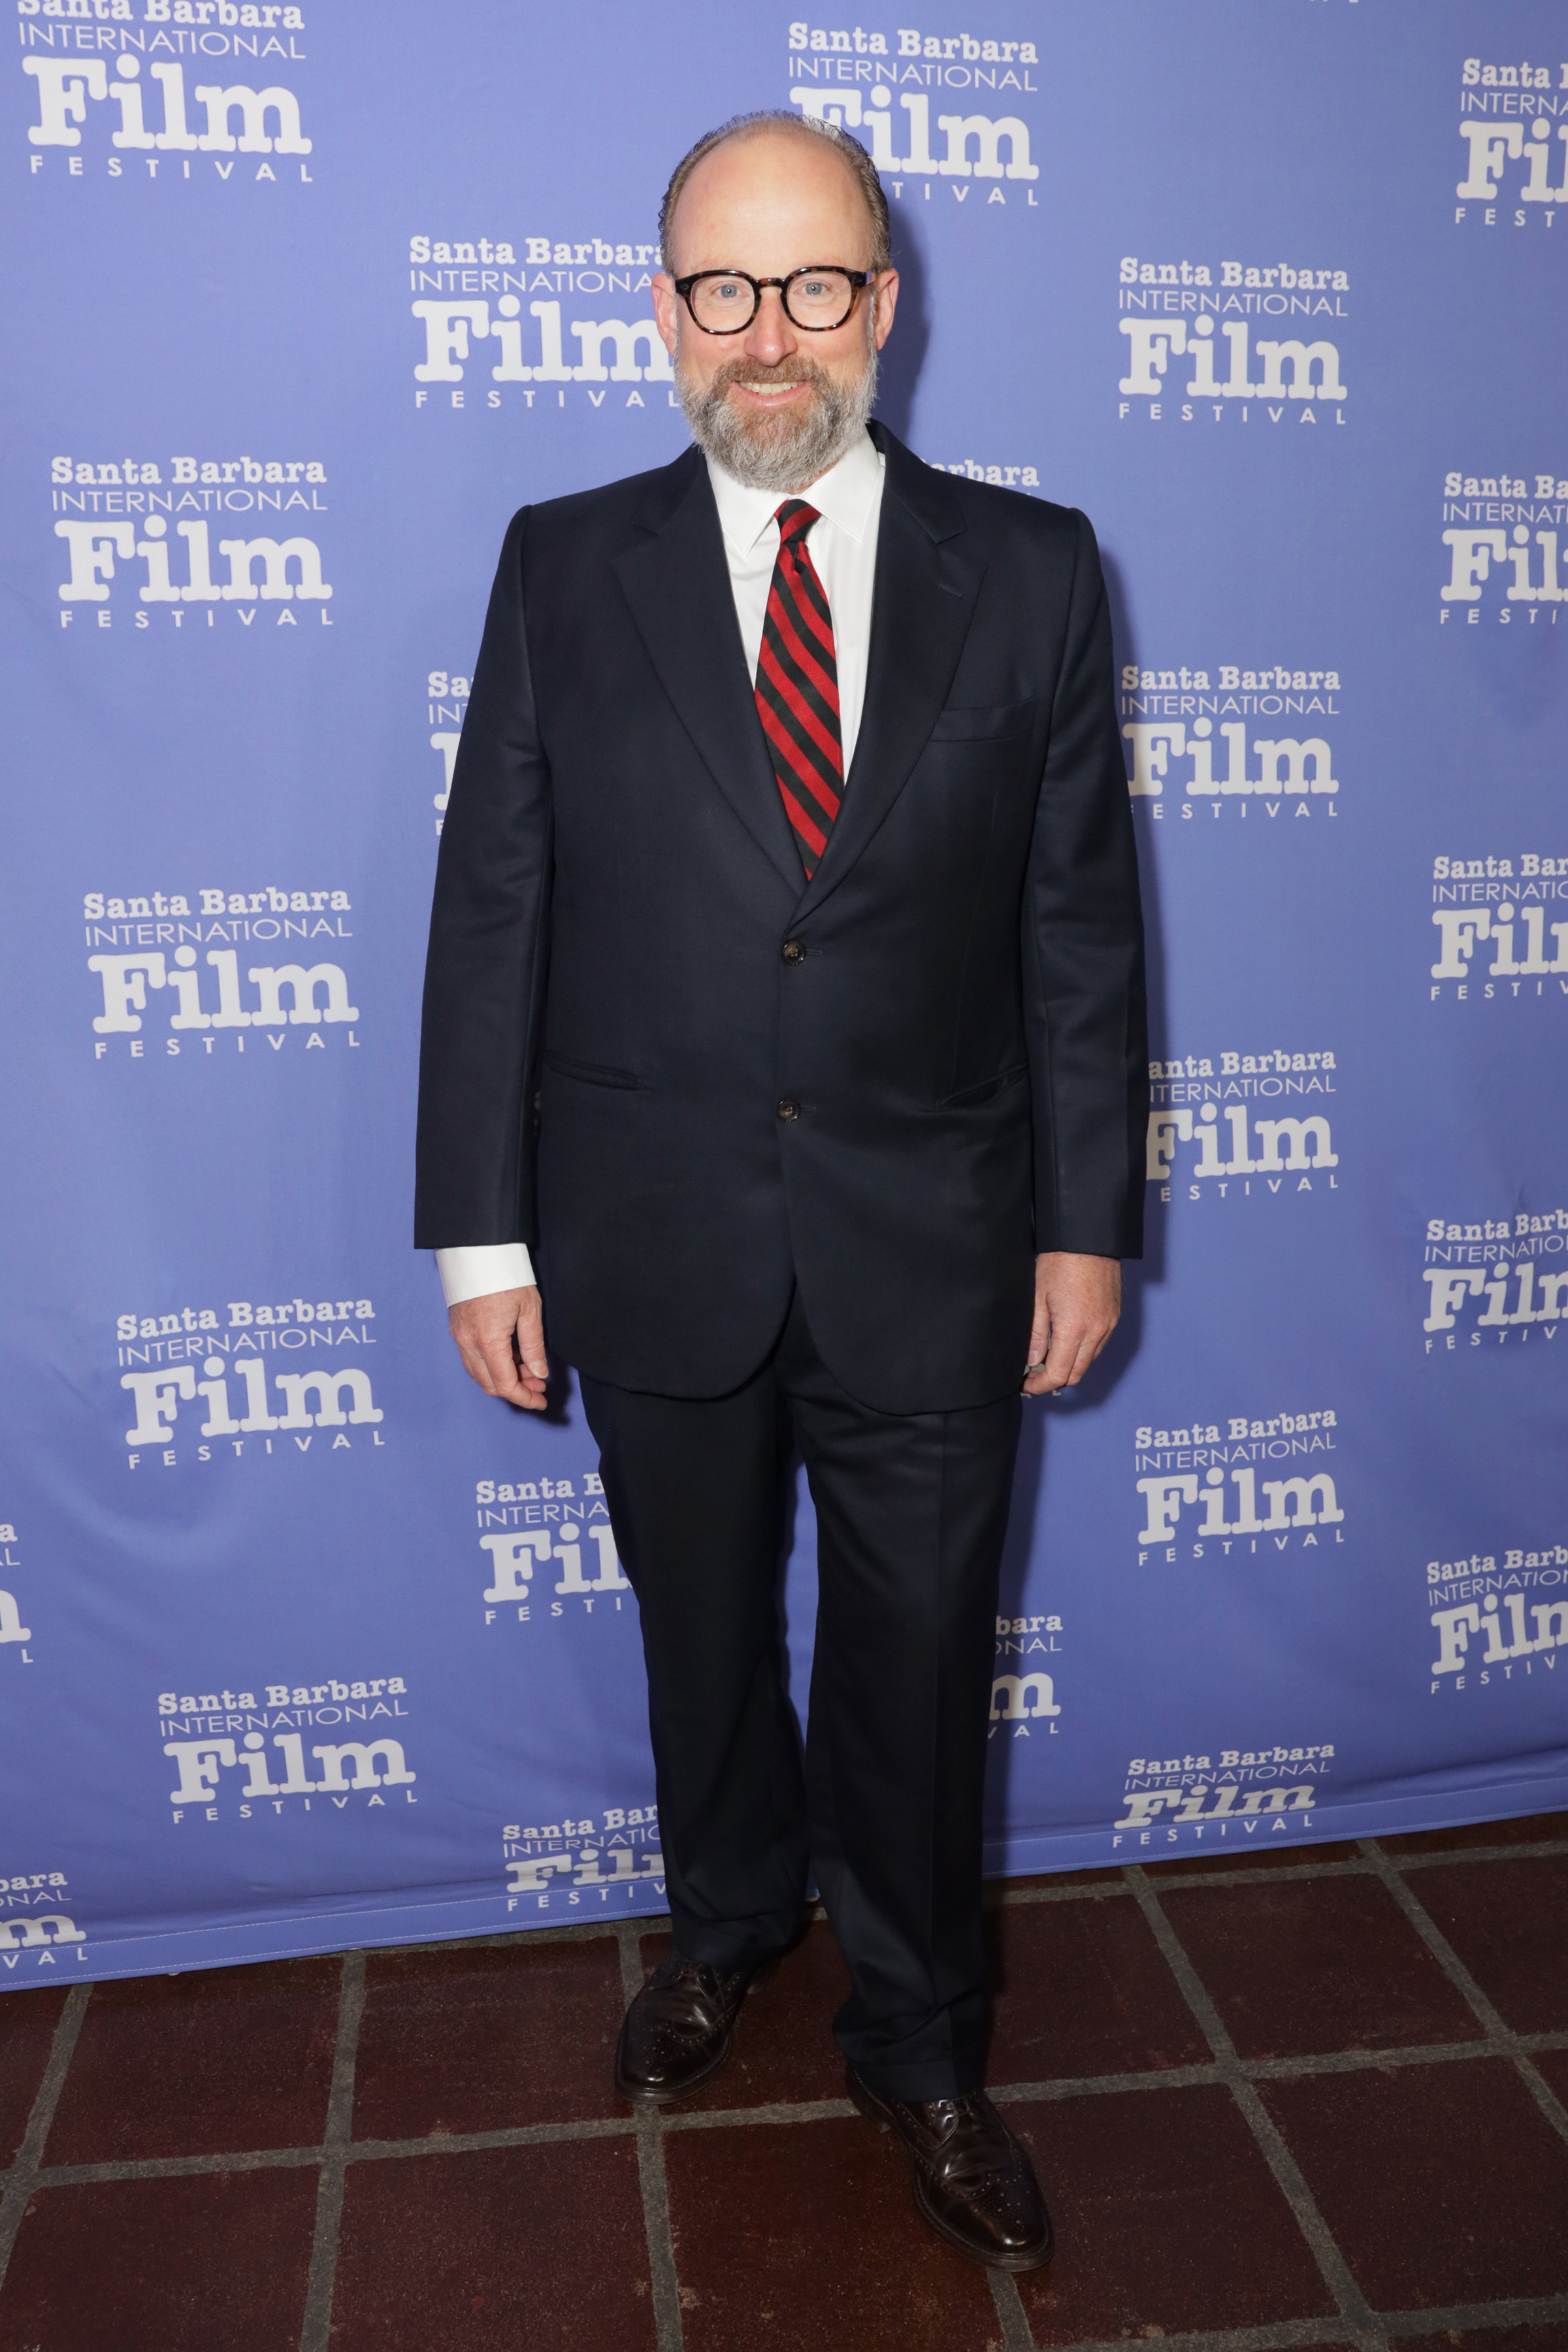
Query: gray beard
x,y
778,453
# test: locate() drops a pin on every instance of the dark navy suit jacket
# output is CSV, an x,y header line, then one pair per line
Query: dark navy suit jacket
x,y
948,1072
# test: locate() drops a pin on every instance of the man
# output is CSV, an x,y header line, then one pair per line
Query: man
x,y
784,996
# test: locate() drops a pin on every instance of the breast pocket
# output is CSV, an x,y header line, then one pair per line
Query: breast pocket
x,y
994,722
594,1074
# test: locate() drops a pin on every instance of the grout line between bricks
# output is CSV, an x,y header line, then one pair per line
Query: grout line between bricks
x,y
1017,2333
1282,2334
649,2126
1189,1873
1459,1975
1354,2310
1524,2311
776,2111
315,2328
1530,1853
1279,2070
25,2171
1271,2336
782,2111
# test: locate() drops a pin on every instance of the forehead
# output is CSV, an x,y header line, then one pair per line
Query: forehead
x,y
778,191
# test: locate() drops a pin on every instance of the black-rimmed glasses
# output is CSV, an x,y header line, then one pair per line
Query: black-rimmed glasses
x,y
725,302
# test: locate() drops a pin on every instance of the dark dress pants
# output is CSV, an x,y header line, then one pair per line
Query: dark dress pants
x,y
911,1511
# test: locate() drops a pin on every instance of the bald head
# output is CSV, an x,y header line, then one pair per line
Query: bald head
x,y
784,153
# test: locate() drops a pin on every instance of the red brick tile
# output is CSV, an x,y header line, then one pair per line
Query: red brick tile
x,y
1527,1829
1553,2065
1310,1964
807,2233
27,2022
1442,2184
459,2039
1167,2216
1082,1989
1507,1921
201,2065
182,2265
543,2247
1282,1856
784,2049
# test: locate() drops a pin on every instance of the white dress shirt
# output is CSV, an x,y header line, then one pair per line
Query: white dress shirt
x,y
843,542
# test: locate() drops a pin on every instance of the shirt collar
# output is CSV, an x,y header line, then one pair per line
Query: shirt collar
x,y
845,496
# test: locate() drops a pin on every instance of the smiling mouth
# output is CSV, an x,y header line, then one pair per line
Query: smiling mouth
x,y
770,390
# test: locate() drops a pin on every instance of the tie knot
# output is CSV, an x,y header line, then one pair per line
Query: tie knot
x,y
794,518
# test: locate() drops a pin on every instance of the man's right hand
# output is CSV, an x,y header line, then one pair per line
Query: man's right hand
x,y
500,1339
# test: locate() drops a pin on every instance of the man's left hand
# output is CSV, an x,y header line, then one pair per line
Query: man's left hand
x,y
1078,1303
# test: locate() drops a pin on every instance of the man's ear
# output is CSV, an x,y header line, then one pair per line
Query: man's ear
x,y
666,307
887,302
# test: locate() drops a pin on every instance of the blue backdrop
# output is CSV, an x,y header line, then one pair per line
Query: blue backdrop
x,y
302,1642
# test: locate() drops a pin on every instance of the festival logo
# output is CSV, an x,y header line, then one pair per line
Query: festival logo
x,y
1223,1469
884,85
1024,1691
502,321
1007,478
1512,150
1235,344
213,1384
12,1630
1227,737
609,1862
180,974
446,696
1495,1281
251,1755
1500,1618
1499,540
1241,1127
549,1550
139,538
135,116
37,1930
1496,939
1251,1793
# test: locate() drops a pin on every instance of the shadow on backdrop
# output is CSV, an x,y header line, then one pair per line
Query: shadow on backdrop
x,y
1096,1384
903,354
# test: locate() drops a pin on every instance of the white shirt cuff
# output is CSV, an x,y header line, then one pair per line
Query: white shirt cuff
x,y
490,1266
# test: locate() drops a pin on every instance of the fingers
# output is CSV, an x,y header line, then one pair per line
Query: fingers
x,y
1075,1342
532,1364
500,1339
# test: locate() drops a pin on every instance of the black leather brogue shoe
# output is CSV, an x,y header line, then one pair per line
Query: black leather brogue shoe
x,y
973,2180
679,2029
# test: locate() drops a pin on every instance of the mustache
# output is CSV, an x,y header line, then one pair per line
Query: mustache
x,y
800,370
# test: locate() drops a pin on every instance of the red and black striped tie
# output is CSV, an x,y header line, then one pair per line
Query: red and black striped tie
x,y
797,688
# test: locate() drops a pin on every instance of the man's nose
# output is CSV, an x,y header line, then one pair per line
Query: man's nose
x,y
770,337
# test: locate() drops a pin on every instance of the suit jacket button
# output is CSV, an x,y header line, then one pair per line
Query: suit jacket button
x,y
788,1106
795,951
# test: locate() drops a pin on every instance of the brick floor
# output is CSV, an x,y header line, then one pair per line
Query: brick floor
x,y
1322,2102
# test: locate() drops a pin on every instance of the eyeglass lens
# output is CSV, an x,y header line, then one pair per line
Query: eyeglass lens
x,y
819,297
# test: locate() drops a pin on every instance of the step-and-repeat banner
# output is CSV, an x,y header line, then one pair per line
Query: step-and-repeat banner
x,y
303,1641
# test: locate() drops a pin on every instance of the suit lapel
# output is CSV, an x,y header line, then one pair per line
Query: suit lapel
x,y
924,599
677,581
